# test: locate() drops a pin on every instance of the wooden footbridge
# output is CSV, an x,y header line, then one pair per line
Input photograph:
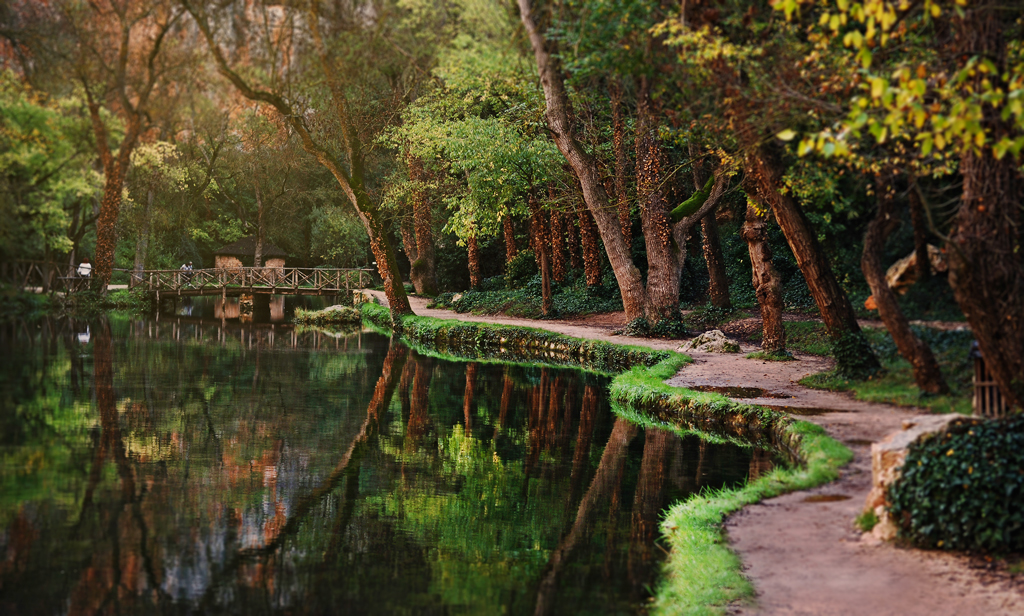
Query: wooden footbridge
x,y
235,281
225,282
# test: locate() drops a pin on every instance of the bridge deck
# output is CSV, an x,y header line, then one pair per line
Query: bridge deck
x,y
251,280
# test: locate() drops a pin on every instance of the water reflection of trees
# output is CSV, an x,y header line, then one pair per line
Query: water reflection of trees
x,y
223,477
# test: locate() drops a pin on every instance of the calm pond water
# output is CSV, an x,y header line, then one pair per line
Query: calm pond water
x,y
183,467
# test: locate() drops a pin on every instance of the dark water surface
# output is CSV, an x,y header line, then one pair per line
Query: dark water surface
x,y
181,467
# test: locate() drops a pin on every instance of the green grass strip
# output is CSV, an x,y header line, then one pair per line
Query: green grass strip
x,y
701,575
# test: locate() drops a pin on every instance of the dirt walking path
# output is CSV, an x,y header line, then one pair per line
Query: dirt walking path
x,y
801,550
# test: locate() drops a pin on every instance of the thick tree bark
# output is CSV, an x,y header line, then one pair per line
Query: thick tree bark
x,y
473,250
926,370
766,282
852,353
409,239
510,239
541,246
424,270
718,280
665,256
986,263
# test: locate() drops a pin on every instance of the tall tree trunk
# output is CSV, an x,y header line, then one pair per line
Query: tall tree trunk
x,y
588,241
648,501
585,168
351,179
510,239
557,247
986,263
573,242
541,247
766,282
409,240
424,268
718,280
473,250
257,257
917,220
142,241
467,398
621,162
853,355
665,257
926,370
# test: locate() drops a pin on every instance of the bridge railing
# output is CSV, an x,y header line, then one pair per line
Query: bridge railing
x,y
283,279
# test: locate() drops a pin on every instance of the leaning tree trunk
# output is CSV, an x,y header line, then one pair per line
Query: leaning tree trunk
x,y
926,370
766,282
585,168
986,268
852,353
718,280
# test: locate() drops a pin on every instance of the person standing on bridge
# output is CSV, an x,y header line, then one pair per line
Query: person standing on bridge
x,y
85,268
186,272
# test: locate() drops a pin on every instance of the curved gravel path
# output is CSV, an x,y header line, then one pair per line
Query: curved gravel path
x,y
803,554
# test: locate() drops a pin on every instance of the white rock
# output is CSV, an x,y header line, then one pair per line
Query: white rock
x,y
713,341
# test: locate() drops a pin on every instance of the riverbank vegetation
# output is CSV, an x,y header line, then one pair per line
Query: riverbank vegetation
x,y
825,160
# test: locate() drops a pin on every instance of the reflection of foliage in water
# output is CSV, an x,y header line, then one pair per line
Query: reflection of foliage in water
x,y
256,476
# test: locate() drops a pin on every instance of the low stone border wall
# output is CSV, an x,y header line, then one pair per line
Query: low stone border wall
x,y
701,574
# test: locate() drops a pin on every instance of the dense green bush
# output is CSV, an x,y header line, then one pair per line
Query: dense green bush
x,y
520,269
16,304
964,489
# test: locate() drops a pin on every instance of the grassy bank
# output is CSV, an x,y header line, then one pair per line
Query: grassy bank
x,y
895,384
701,574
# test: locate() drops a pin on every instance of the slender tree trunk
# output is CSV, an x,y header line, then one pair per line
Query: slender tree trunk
x,y
573,242
766,282
926,370
142,241
257,257
621,162
588,240
852,353
718,280
409,240
419,409
557,247
541,243
467,398
510,239
473,249
917,220
986,263
424,269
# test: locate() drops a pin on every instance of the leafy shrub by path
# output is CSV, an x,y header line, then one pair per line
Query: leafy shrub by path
x,y
895,385
964,489
17,304
569,299
666,328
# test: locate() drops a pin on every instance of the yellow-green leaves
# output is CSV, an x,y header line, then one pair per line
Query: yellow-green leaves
x,y
786,135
